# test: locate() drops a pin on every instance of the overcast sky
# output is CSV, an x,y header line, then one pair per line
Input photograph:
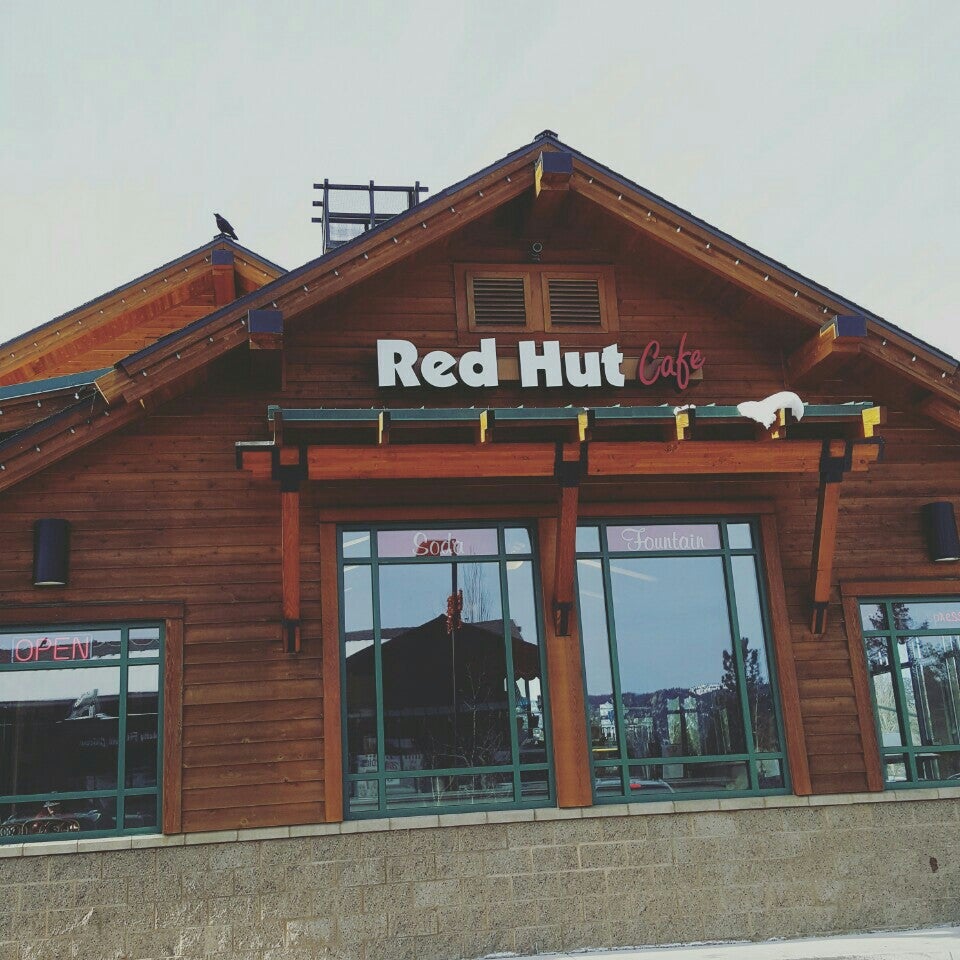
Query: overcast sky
x,y
826,137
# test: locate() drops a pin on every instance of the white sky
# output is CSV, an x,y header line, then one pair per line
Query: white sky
x,y
826,136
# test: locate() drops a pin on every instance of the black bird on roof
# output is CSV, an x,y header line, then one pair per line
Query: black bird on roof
x,y
223,225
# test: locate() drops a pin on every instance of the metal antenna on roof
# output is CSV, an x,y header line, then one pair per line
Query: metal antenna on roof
x,y
345,211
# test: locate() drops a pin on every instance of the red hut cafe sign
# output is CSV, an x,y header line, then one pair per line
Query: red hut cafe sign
x,y
399,364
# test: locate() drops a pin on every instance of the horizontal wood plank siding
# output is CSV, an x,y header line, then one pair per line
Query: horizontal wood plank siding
x,y
160,513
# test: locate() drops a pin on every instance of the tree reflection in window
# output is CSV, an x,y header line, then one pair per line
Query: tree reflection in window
x,y
659,609
913,654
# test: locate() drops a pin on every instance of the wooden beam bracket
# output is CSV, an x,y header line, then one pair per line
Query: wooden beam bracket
x,y
291,635
552,173
835,463
224,279
836,342
836,460
552,170
571,465
291,473
265,329
818,618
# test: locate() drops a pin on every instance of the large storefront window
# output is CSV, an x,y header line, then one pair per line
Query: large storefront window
x,y
444,699
913,655
80,745
677,706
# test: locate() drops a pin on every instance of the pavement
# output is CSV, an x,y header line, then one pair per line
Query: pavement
x,y
937,943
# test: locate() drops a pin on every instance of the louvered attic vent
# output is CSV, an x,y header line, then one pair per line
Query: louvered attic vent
x,y
499,301
574,302
566,298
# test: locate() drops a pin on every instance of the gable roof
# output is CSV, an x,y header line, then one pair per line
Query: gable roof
x,y
154,371
669,215
123,320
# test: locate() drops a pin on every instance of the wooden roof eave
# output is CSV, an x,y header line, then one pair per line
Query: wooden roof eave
x,y
19,356
334,273
894,349
22,405
45,442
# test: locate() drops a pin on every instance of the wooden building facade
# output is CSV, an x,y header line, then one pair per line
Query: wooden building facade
x,y
358,574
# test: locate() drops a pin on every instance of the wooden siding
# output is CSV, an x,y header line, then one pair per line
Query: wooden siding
x,y
161,514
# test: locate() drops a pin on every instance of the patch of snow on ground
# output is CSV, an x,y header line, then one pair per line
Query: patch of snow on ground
x,y
937,943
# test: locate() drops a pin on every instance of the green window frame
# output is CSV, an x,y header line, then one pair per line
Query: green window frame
x,y
614,772
25,651
903,708
514,773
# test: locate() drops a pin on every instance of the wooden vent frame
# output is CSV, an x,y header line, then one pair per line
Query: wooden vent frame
x,y
500,304
537,279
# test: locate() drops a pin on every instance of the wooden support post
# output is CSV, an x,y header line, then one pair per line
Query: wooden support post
x,y
833,464
290,548
861,688
569,471
291,472
224,279
571,761
332,722
786,665
173,726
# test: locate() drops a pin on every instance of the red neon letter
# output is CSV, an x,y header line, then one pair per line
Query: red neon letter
x,y
650,353
30,651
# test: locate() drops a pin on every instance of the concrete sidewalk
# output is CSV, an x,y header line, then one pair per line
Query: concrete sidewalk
x,y
938,943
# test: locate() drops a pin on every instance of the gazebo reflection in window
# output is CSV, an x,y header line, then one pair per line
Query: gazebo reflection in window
x,y
443,660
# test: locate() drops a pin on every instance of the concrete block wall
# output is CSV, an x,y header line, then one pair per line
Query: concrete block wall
x,y
466,886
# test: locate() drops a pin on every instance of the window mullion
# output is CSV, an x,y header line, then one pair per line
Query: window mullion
x,y
619,717
378,670
508,649
122,727
901,695
739,661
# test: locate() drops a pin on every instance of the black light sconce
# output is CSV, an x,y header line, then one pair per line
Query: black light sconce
x,y
51,552
940,525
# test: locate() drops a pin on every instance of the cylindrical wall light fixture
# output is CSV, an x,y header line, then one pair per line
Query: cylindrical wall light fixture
x,y
51,552
940,526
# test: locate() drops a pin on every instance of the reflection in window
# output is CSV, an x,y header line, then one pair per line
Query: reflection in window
x,y
913,653
677,704
443,674
79,730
